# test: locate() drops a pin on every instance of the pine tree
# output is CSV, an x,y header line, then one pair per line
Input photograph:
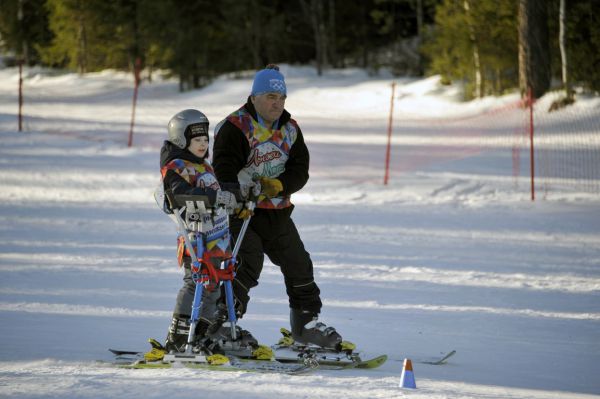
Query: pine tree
x,y
583,42
475,42
24,28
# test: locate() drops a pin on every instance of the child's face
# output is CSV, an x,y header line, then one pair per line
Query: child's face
x,y
198,146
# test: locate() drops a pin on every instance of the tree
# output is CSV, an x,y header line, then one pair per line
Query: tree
x,y
315,13
474,42
534,48
583,42
24,28
473,39
563,49
88,35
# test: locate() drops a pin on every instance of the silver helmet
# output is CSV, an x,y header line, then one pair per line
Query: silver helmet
x,y
178,126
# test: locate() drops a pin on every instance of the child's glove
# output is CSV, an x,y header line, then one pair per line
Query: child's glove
x,y
226,199
271,187
248,190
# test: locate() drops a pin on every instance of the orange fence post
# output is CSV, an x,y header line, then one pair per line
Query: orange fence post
x,y
531,152
389,138
136,73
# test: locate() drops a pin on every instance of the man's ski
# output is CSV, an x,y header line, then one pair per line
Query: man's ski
x,y
438,362
335,360
344,356
327,358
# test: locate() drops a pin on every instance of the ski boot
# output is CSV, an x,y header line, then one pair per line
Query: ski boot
x,y
220,331
244,343
307,330
177,339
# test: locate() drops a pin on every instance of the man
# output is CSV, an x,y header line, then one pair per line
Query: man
x,y
260,142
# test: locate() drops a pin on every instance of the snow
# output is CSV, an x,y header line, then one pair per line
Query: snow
x,y
451,254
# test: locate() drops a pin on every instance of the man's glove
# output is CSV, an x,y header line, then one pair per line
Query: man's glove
x,y
226,199
244,213
271,187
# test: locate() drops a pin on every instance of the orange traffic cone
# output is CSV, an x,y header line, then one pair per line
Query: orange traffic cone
x,y
407,380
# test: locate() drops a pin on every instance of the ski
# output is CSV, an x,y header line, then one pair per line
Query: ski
x,y
135,360
438,361
308,358
344,359
311,358
326,358
117,352
330,360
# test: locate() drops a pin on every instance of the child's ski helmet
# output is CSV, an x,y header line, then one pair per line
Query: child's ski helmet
x,y
179,127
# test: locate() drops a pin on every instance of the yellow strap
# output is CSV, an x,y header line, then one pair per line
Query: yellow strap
x,y
286,341
347,346
154,355
155,344
263,352
217,359
285,332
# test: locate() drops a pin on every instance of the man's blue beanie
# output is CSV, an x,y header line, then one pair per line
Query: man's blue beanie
x,y
269,80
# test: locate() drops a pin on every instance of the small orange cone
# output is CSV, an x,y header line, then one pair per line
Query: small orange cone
x,y
407,380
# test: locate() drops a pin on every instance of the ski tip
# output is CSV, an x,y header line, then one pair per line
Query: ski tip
x,y
443,359
372,363
118,352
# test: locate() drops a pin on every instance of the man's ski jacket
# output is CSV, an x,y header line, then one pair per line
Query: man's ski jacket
x,y
244,151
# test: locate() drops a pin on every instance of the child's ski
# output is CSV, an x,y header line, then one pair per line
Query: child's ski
x,y
135,360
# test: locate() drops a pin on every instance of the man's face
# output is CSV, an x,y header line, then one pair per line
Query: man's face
x,y
269,106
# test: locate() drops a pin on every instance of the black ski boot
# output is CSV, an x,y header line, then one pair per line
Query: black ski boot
x,y
175,342
177,338
306,329
178,333
220,332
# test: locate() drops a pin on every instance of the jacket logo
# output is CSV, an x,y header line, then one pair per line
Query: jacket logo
x,y
258,159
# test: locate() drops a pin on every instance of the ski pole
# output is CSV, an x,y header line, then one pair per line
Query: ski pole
x,y
228,284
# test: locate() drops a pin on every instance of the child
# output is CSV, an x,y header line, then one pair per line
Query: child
x,y
185,170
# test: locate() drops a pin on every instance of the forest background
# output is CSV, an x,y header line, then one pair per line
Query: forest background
x,y
491,46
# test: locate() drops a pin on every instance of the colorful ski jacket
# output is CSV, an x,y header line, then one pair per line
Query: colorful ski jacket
x,y
184,173
244,150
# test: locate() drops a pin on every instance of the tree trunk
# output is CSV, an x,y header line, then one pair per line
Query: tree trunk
x,y
322,31
476,61
314,12
563,49
333,57
419,6
255,35
81,40
534,48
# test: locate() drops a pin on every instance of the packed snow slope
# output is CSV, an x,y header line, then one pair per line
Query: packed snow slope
x,y
444,257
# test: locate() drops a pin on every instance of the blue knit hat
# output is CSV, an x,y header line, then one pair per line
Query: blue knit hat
x,y
269,80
